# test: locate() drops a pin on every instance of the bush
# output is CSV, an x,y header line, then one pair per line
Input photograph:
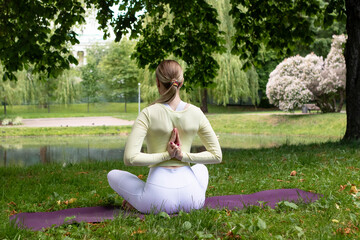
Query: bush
x,y
6,121
298,80
17,121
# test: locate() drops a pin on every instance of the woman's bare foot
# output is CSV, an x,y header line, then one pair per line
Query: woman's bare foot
x,y
127,206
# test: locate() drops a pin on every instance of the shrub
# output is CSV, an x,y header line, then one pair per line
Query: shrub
x,y
17,121
6,121
297,80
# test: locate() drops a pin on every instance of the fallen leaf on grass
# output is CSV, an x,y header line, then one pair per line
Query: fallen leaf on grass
x,y
141,176
293,173
11,203
139,231
343,231
12,212
231,235
66,202
279,180
353,189
228,212
342,187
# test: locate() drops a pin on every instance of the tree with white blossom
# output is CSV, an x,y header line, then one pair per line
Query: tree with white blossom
x,y
298,80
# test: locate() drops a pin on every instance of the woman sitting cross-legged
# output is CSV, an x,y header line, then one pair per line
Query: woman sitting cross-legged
x,y
168,126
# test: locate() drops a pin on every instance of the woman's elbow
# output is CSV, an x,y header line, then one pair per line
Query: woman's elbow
x,y
128,161
218,157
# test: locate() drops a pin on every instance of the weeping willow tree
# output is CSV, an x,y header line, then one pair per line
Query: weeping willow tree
x,y
232,83
33,88
68,88
10,93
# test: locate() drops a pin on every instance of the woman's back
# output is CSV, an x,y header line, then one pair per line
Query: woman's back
x,y
155,124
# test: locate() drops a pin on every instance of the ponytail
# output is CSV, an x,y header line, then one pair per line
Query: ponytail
x,y
170,74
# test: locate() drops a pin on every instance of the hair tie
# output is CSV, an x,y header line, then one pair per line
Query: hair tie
x,y
175,83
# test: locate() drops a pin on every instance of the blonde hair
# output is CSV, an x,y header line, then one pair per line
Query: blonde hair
x,y
170,74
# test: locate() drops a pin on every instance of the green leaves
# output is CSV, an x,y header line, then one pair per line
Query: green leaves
x,y
279,25
186,225
33,31
261,224
287,204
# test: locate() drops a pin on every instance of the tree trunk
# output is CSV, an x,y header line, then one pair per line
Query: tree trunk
x,y
204,97
125,102
5,106
88,104
352,54
341,101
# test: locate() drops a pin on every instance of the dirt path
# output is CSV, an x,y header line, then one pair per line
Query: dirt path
x,y
75,122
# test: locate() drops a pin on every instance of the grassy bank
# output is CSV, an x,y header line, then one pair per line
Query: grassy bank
x,y
324,125
320,125
63,131
74,110
101,109
322,168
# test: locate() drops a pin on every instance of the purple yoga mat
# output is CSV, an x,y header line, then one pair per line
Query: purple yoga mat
x,y
39,220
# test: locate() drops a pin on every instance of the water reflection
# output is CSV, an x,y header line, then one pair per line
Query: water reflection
x,y
25,151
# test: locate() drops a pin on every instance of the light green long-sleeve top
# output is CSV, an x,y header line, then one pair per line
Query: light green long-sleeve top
x,y
155,125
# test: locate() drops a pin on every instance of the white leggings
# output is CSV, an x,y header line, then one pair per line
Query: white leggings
x,y
168,190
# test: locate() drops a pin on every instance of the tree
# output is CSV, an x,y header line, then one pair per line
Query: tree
x,y
298,79
352,59
191,34
10,93
290,83
121,72
90,82
333,78
279,25
68,87
38,33
231,82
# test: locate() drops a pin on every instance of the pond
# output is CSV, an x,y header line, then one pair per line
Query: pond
x,y
26,151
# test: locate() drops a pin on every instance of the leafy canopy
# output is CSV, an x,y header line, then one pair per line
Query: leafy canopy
x,y
38,33
277,24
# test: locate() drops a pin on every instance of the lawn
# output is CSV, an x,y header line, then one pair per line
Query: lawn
x,y
100,109
328,168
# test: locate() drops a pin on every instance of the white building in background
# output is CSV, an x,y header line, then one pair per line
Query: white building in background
x,y
89,35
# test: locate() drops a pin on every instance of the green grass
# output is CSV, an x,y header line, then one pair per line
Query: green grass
x,y
74,110
330,125
320,125
61,131
321,168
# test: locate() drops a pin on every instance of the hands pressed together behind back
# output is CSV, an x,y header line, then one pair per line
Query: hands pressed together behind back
x,y
174,145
